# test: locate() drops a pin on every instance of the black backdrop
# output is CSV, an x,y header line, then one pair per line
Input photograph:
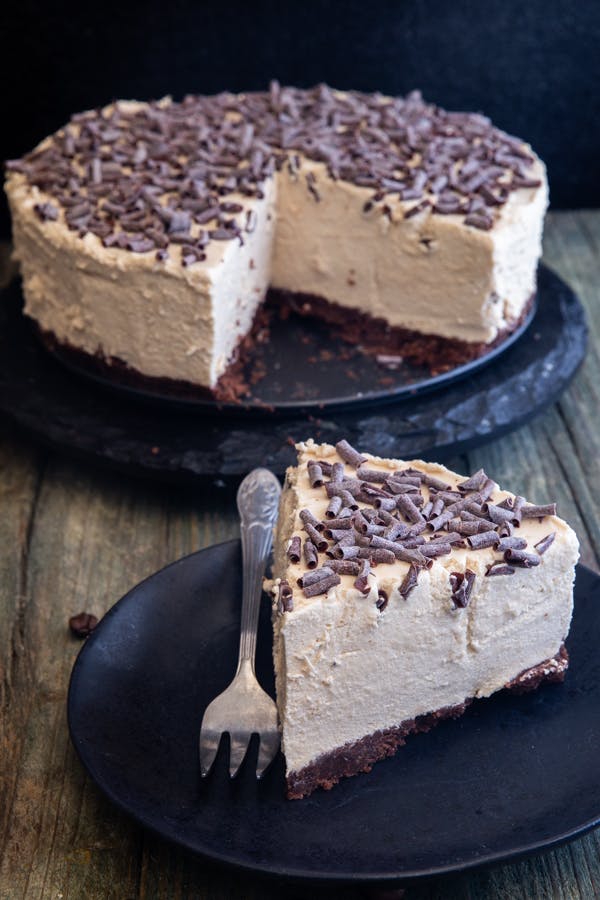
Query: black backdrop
x,y
532,65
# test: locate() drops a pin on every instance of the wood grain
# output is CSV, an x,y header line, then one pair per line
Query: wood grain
x,y
72,538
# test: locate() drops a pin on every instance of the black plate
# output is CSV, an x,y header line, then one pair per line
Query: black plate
x,y
84,419
512,776
307,368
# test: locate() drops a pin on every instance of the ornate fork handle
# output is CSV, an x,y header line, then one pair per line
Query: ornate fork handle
x,y
258,503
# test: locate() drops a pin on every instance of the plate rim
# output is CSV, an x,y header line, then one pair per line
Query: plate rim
x,y
291,872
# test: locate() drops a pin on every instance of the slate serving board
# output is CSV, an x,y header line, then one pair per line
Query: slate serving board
x,y
86,419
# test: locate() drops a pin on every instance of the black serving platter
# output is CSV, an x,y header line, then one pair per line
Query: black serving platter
x,y
513,776
181,443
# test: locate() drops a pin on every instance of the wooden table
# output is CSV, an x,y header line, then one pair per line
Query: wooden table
x,y
73,538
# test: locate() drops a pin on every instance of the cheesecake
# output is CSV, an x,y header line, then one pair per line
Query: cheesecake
x,y
402,592
149,235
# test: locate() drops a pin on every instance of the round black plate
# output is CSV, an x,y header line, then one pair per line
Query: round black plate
x,y
512,776
82,418
307,369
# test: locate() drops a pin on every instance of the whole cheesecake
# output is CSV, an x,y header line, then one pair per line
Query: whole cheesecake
x,y
402,592
149,234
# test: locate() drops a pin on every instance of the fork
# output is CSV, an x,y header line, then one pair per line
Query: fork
x,y
244,709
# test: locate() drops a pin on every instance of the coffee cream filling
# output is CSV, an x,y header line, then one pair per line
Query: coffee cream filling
x,y
429,273
344,670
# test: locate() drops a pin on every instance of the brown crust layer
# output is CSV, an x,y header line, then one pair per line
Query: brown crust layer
x,y
374,336
351,759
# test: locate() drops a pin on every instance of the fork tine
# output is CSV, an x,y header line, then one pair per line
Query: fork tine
x,y
237,751
209,745
267,751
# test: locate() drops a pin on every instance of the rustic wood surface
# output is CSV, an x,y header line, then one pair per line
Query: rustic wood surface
x,y
74,538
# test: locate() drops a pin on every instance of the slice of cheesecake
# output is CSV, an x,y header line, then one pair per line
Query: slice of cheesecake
x,y
148,234
403,591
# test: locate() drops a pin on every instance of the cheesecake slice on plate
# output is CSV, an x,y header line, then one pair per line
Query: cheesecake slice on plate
x,y
402,591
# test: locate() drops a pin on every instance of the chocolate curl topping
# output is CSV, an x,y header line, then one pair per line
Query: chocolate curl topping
x,y
335,505
317,539
439,521
462,587
372,475
349,454
498,514
285,599
396,530
488,489
346,551
321,587
310,554
316,575
377,555
408,509
293,551
382,600
337,525
337,472
308,519
409,581
435,549
325,466
435,483
522,559
538,512
545,542
344,566
474,483
315,475
386,503
361,583
499,568
468,528
512,543
482,539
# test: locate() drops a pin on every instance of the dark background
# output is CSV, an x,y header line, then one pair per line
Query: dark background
x,y
534,67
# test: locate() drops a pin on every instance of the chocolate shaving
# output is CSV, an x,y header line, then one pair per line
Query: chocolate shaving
x,y
315,475
361,583
349,454
521,559
462,587
344,566
317,539
482,539
334,507
316,575
511,543
538,512
293,551
377,555
435,549
499,568
285,600
309,519
545,542
409,581
408,509
310,554
382,599
321,587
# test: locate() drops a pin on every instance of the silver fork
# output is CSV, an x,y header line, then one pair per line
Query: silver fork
x,y
244,709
